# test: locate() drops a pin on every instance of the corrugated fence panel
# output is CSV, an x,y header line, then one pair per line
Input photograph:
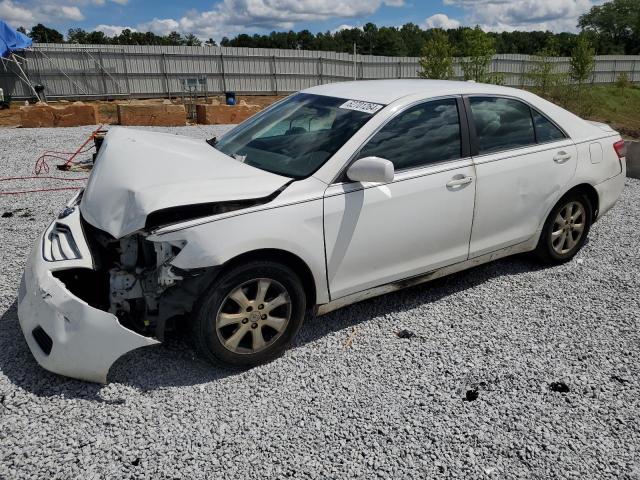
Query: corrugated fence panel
x,y
110,71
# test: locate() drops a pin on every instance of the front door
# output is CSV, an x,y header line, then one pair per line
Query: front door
x,y
379,233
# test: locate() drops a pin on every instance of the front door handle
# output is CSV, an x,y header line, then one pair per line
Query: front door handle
x,y
458,182
562,157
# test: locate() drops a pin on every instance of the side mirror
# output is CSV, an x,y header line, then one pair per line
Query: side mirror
x,y
371,169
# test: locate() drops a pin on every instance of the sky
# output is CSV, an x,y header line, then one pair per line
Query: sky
x,y
215,19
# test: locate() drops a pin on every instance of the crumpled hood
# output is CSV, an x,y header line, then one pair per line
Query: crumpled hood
x,y
138,172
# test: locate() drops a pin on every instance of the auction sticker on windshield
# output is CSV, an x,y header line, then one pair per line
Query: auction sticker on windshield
x,y
360,106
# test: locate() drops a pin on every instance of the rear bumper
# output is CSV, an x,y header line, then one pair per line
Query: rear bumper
x,y
64,333
609,191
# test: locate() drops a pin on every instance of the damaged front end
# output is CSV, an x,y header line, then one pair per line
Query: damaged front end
x,y
87,298
143,290
95,285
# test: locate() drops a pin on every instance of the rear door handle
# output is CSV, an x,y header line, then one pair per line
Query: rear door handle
x,y
458,182
562,157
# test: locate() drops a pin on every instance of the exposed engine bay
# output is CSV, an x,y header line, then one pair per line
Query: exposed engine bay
x,y
134,280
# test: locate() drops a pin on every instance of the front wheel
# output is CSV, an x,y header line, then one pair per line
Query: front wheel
x,y
566,229
250,315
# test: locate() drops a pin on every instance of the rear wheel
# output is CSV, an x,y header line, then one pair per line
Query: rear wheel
x,y
566,229
250,315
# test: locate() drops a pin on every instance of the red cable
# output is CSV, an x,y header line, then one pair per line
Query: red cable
x,y
5,179
41,165
39,190
41,162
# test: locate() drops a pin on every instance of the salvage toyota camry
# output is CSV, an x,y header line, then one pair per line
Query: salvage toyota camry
x,y
334,194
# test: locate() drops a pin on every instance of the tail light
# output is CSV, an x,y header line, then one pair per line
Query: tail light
x,y
621,148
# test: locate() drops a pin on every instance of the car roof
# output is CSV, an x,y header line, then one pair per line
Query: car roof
x,y
388,91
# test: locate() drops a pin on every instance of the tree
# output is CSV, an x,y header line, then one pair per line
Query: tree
x,y
617,21
370,34
478,48
437,57
21,30
305,40
97,38
125,38
76,35
192,41
174,38
389,42
210,43
41,34
413,39
582,60
542,73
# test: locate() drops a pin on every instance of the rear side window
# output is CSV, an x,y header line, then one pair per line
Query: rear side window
x,y
545,130
501,123
421,135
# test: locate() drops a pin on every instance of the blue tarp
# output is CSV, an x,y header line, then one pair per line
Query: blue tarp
x,y
11,40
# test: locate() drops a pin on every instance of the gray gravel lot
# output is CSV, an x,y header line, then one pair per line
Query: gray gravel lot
x,y
351,399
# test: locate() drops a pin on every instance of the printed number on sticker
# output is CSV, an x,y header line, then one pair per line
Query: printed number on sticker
x,y
365,107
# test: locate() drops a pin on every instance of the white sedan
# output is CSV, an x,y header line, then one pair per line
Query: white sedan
x,y
334,194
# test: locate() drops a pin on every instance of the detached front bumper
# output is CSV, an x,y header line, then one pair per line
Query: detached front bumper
x,y
64,333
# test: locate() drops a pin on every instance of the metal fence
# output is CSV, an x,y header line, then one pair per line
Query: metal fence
x,y
133,71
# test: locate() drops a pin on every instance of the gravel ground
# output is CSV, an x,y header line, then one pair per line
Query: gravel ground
x,y
512,371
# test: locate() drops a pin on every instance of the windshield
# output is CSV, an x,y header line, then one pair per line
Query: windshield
x,y
298,135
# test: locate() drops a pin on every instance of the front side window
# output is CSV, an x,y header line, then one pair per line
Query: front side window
x,y
501,124
298,135
424,134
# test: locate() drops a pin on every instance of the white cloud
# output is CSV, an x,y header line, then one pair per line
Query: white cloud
x,y
440,20
16,15
71,13
112,30
503,15
345,27
229,17
159,26
28,14
339,28
273,13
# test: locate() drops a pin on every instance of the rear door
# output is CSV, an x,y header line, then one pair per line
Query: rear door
x,y
523,163
379,233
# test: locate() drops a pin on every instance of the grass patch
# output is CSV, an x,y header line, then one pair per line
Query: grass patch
x,y
618,106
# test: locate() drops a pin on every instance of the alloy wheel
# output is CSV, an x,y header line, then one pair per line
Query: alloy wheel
x,y
253,316
568,227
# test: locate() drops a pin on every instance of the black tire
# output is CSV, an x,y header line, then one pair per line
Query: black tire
x,y
208,338
545,251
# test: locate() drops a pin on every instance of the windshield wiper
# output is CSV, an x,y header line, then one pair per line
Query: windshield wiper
x,y
212,141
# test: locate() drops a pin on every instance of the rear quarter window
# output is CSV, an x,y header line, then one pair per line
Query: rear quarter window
x,y
546,131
